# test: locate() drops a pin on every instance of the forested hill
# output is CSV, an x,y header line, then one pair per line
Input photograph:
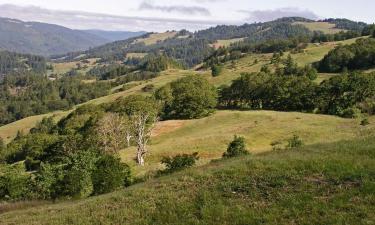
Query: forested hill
x,y
11,62
115,35
192,48
43,39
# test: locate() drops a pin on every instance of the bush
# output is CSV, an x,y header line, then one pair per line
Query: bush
x,y
294,142
216,70
351,112
179,162
365,122
14,182
236,148
110,174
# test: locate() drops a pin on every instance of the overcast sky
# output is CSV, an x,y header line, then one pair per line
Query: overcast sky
x,y
161,15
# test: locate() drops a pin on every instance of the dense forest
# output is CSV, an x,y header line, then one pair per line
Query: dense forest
x,y
31,94
17,63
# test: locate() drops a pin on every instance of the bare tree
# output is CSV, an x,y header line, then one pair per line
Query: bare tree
x,y
111,129
128,130
143,123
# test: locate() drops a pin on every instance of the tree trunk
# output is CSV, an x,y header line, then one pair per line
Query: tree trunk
x,y
128,137
140,158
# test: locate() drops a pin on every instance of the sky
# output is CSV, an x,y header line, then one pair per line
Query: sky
x,y
162,15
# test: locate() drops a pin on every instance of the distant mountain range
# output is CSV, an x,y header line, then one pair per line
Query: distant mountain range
x,y
49,39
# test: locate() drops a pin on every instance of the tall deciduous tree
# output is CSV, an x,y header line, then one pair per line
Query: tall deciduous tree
x,y
142,112
111,129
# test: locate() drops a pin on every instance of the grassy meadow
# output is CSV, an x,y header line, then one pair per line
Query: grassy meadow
x,y
316,184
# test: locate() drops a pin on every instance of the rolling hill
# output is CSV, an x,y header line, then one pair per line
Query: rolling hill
x,y
317,184
114,35
43,39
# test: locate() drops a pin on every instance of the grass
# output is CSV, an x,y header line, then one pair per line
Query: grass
x,y
210,136
327,28
64,67
155,38
8,132
317,184
136,55
226,43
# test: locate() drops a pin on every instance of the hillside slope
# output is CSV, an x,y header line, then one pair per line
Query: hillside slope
x,y
114,35
318,184
43,39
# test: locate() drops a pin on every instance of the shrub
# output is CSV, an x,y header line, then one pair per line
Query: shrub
x,y
236,148
351,112
14,182
110,174
216,70
294,142
179,162
365,122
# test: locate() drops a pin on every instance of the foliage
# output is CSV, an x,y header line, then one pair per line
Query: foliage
x,y
269,91
356,56
18,63
179,162
187,98
26,95
236,148
216,70
110,174
341,94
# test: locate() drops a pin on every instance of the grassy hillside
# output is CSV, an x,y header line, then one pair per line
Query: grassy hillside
x,y
210,136
325,27
318,184
247,64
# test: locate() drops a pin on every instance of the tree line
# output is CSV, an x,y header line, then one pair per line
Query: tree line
x,y
357,56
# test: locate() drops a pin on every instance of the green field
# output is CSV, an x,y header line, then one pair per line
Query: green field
x,y
318,184
226,43
210,136
327,28
155,38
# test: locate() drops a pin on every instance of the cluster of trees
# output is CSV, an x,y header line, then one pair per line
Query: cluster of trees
x,y
26,95
341,36
344,95
360,55
79,156
17,63
187,98
346,24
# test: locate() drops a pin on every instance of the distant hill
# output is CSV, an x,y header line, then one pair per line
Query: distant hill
x,y
192,48
44,39
115,35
